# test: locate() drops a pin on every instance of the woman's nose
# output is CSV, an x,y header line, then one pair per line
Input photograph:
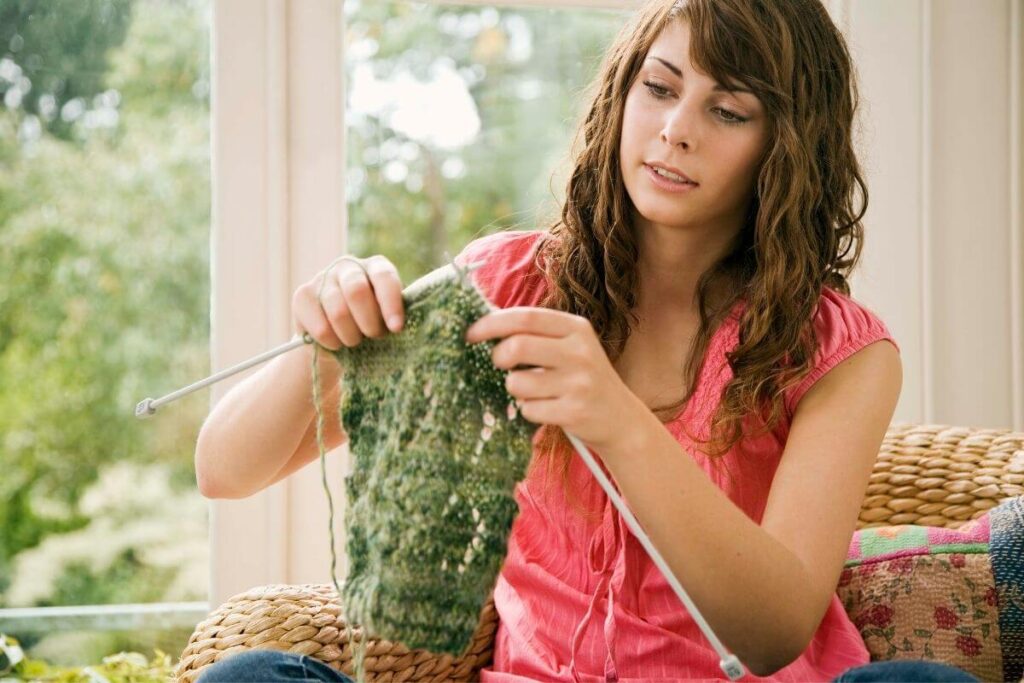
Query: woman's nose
x,y
678,127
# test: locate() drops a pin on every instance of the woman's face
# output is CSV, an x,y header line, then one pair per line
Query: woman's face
x,y
678,118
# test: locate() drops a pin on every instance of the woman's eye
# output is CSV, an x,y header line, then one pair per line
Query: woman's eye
x,y
731,118
661,92
657,90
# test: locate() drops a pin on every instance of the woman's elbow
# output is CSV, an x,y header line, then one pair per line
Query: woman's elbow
x,y
207,487
778,657
213,490
768,667
208,483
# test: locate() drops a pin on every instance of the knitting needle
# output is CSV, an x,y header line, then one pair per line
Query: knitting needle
x,y
730,663
148,406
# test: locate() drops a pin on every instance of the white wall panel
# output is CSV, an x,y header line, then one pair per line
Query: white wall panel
x,y
883,34
317,219
279,216
970,204
247,546
941,147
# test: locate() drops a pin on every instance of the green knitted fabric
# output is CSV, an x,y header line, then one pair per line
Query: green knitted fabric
x,y
438,447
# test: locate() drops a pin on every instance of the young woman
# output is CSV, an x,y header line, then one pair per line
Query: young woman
x,y
689,319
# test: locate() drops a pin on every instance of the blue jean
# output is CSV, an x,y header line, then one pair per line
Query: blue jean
x,y
904,670
271,666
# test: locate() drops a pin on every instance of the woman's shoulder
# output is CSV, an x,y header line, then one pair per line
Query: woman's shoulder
x,y
504,246
843,325
840,318
503,266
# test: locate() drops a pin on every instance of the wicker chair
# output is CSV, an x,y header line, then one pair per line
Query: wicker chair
x,y
934,475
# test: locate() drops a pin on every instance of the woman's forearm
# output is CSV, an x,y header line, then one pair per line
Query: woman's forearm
x,y
256,427
748,586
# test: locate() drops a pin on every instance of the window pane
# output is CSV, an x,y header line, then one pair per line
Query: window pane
x,y
459,120
104,234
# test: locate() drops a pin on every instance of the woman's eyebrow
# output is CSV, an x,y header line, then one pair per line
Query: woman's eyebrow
x,y
679,74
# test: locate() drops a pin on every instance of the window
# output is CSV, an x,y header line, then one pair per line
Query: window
x,y
459,120
104,233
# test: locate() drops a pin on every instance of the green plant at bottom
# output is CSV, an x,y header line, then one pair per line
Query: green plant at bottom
x,y
123,667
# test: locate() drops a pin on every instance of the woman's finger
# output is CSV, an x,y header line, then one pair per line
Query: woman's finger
x,y
335,308
530,349
360,298
533,384
310,318
525,319
544,411
387,287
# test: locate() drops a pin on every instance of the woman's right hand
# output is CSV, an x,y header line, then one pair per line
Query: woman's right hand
x,y
354,303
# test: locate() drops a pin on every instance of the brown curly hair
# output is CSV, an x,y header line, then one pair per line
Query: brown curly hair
x,y
797,237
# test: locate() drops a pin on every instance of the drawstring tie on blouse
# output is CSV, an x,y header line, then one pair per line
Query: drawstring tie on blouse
x,y
601,554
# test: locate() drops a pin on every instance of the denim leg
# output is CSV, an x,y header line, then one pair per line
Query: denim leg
x,y
270,666
904,671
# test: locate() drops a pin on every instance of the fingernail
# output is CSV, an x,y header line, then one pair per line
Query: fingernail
x,y
394,323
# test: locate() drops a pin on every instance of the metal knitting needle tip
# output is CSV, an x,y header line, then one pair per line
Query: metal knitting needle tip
x,y
145,408
148,406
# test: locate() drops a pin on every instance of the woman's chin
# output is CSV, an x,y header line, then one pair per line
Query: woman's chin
x,y
661,215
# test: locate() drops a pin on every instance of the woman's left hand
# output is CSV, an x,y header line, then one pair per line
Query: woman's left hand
x,y
574,385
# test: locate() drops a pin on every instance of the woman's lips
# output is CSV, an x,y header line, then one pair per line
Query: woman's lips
x,y
668,184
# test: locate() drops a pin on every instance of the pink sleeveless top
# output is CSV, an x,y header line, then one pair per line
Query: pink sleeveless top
x,y
583,601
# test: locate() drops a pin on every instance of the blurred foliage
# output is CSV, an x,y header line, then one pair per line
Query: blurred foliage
x,y
61,48
415,199
123,667
104,246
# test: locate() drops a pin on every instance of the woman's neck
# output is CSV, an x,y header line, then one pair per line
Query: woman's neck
x,y
670,264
